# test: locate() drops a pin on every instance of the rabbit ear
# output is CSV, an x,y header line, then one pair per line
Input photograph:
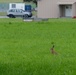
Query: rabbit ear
x,y
52,43
53,46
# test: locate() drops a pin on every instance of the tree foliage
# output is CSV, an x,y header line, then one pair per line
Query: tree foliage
x,y
34,1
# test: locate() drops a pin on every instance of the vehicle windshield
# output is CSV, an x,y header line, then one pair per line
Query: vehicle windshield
x,y
22,10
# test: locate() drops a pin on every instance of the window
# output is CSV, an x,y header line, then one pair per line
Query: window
x,y
18,10
12,10
13,5
67,7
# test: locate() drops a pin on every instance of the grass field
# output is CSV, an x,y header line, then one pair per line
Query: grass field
x,y
25,47
6,1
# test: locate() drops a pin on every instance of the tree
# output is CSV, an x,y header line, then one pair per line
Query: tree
x,y
34,1
27,0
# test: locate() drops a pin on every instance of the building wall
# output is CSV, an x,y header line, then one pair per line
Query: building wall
x,y
66,0
4,7
48,9
74,9
51,8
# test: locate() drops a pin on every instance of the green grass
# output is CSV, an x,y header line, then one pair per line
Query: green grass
x,y
6,1
25,47
3,13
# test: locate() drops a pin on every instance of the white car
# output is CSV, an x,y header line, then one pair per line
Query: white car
x,y
12,13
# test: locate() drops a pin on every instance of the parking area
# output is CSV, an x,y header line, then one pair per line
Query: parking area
x,y
4,17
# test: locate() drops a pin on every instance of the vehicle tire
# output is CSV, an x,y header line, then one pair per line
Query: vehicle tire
x,y
25,16
11,16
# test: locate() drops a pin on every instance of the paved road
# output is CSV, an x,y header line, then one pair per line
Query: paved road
x,y
8,17
4,17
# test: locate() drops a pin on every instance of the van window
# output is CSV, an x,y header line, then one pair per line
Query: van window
x,y
13,5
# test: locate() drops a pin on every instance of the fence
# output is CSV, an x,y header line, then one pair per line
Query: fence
x,y
4,7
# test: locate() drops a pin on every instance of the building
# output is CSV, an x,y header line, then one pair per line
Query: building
x,y
56,8
4,7
17,6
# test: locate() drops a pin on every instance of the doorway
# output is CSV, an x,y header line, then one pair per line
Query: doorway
x,y
68,10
